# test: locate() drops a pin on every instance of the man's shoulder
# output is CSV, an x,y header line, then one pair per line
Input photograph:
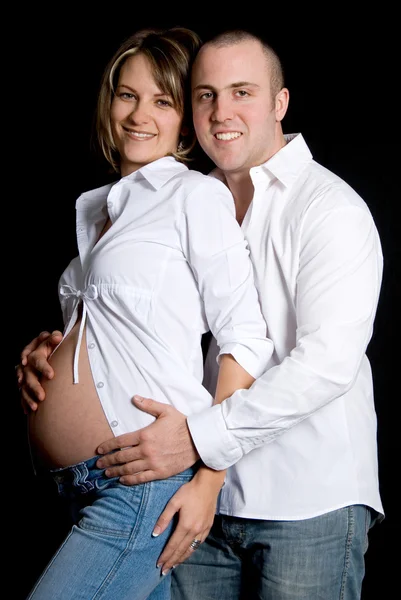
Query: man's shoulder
x,y
320,184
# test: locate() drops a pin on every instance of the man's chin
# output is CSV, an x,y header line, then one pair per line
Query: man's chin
x,y
227,165
223,160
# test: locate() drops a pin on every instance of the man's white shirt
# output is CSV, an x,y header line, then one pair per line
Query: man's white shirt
x,y
302,440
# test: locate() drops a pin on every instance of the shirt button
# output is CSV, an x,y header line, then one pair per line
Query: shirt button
x,y
100,384
114,423
92,345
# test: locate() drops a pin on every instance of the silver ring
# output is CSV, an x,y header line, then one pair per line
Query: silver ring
x,y
195,544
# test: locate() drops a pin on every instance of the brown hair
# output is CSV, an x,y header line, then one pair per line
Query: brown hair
x,y
231,37
170,53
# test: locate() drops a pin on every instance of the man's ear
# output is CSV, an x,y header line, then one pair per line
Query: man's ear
x,y
282,100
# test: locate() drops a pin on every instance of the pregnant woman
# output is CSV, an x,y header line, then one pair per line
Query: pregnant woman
x,y
161,261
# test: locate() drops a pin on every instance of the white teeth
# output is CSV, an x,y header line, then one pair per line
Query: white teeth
x,y
228,136
141,135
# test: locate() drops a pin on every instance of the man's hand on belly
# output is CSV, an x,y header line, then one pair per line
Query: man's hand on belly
x,y
160,450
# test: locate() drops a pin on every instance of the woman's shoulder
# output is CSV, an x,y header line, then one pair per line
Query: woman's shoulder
x,y
195,182
204,193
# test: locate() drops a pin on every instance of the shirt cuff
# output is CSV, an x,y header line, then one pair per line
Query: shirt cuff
x,y
253,359
215,444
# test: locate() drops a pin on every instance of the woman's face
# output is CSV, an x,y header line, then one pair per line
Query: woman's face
x,y
144,123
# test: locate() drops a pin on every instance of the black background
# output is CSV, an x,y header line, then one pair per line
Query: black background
x,y
342,71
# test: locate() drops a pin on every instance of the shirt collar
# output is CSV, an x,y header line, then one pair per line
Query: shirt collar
x,y
159,172
285,165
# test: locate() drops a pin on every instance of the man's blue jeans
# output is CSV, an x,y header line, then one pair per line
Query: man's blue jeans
x,y
249,559
110,553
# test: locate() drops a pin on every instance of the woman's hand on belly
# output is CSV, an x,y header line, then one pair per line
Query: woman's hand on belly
x,y
35,365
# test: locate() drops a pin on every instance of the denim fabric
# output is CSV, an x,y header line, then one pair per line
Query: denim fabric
x,y
109,553
248,559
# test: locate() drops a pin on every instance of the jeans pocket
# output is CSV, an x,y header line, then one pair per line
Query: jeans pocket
x,y
115,510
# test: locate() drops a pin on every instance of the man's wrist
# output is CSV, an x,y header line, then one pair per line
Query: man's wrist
x,y
194,450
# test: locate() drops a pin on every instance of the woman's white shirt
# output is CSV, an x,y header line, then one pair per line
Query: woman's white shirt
x,y
173,265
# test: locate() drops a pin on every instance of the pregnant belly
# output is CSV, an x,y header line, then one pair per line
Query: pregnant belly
x,y
70,423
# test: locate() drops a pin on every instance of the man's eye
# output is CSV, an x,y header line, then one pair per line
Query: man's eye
x,y
242,93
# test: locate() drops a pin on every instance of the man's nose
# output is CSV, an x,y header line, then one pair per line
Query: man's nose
x,y
222,110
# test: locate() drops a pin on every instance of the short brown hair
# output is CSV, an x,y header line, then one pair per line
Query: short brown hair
x,y
231,37
170,53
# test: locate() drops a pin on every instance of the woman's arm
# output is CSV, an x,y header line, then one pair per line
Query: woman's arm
x,y
196,500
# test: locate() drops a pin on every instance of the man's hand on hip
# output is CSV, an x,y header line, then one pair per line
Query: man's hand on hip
x,y
160,450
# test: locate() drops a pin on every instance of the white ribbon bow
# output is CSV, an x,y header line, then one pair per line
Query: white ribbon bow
x,y
90,293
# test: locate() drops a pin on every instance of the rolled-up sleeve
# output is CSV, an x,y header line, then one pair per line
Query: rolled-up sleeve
x,y
218,254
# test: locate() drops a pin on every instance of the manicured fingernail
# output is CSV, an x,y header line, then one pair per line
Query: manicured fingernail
x,y
165,572
156,531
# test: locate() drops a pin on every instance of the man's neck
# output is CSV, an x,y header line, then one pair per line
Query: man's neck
x,y
240,182
242,189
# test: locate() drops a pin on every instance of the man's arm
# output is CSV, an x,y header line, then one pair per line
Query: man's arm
x,y
338,288
144,458
337,291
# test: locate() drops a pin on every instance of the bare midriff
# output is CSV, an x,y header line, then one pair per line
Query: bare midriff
x,y
69,424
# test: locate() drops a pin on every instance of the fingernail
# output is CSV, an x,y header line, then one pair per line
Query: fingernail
x,y
156,531
138,398
165,572
174,566
100,450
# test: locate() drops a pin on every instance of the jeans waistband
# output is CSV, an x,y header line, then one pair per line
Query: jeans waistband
x,y
81,478
85,477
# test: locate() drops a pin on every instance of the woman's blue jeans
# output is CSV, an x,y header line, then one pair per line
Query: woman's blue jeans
x,y
109,553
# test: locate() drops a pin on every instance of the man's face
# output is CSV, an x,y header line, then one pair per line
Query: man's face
x,y
234,113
